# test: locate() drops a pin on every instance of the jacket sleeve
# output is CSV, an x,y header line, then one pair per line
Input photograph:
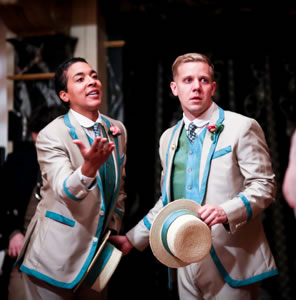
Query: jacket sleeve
x,y
259,188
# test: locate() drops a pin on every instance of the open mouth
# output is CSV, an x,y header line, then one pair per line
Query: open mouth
x,y
93,93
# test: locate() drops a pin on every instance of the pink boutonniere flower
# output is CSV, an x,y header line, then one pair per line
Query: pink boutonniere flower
x,y
114,130
215,129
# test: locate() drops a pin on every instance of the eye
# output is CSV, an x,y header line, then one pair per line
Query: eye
x,y
187,80
204,79
79,79
95,76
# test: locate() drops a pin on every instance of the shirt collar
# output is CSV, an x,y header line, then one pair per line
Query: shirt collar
x,y
202,120
84,121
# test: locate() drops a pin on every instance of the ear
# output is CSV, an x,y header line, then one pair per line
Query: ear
x,y
64,96
174,88
213,88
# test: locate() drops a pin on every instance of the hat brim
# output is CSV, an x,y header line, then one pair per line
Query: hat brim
x,y
155,239
108,268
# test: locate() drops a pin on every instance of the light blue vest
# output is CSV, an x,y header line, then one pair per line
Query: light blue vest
x,y
186,165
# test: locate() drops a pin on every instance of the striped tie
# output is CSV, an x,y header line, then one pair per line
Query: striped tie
x,y
97,129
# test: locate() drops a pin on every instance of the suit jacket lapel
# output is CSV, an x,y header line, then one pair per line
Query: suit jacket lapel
x,y
208,149
207,144
207,152
77,132
115,154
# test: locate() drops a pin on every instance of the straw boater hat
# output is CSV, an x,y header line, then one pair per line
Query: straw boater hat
x,y
102,266
177,236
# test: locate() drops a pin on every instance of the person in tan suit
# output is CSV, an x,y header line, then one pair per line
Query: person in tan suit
x,y
82,158
219,159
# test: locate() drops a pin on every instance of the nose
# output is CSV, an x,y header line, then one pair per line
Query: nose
x,y
91,80
196,84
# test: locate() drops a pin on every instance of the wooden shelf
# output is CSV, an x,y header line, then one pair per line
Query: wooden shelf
x,y
33,76
109,44
41,76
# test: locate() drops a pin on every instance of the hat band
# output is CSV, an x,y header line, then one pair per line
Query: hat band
x,y
167,223
99,265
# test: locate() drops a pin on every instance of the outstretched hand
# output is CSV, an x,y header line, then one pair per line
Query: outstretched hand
x,y
95,156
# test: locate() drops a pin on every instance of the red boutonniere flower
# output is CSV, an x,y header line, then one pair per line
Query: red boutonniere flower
x,y
114,130
215,129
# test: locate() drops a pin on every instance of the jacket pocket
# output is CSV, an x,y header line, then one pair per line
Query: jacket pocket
x,y
59,218
222,152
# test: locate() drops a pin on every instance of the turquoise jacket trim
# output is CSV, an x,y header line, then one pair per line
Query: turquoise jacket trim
x,y
238,283
212,155
62,284
73,134
72,131
209,158
247,204
198,197
68,192
119,163
147,223
222,152
119,212
60,218
164,194
99,265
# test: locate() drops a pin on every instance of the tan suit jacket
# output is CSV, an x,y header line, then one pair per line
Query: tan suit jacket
x,y
69,222
235,172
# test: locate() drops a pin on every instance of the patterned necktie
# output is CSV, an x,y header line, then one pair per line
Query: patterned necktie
x,y
97,129
191,134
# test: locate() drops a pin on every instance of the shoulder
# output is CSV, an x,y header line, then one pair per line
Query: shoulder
x,y
168,133
114,122
56,123
55,130
238,121
240,126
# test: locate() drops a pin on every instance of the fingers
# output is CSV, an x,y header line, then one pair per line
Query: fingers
x,y
14,251
100,145
80,146
209,214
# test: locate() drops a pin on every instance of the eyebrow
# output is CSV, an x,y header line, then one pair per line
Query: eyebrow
x,y
81,73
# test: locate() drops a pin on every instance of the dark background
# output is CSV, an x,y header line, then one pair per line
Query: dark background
x,y
251,45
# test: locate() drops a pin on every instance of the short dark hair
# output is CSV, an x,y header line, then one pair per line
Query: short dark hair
x,y
60,79
43,115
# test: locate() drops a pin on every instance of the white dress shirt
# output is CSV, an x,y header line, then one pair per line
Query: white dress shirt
x,y
87,126
202,121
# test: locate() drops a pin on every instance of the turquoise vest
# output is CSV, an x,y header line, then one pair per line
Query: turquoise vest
x,y
107,174
186,165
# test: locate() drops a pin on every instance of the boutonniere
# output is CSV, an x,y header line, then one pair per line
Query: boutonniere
x,y
114,130
215,129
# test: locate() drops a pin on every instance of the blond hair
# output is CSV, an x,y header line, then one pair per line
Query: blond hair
x,y
192,57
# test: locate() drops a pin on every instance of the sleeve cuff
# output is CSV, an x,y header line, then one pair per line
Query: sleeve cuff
x,y
88,182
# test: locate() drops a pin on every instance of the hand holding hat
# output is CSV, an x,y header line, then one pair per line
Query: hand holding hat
x,y
177,236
